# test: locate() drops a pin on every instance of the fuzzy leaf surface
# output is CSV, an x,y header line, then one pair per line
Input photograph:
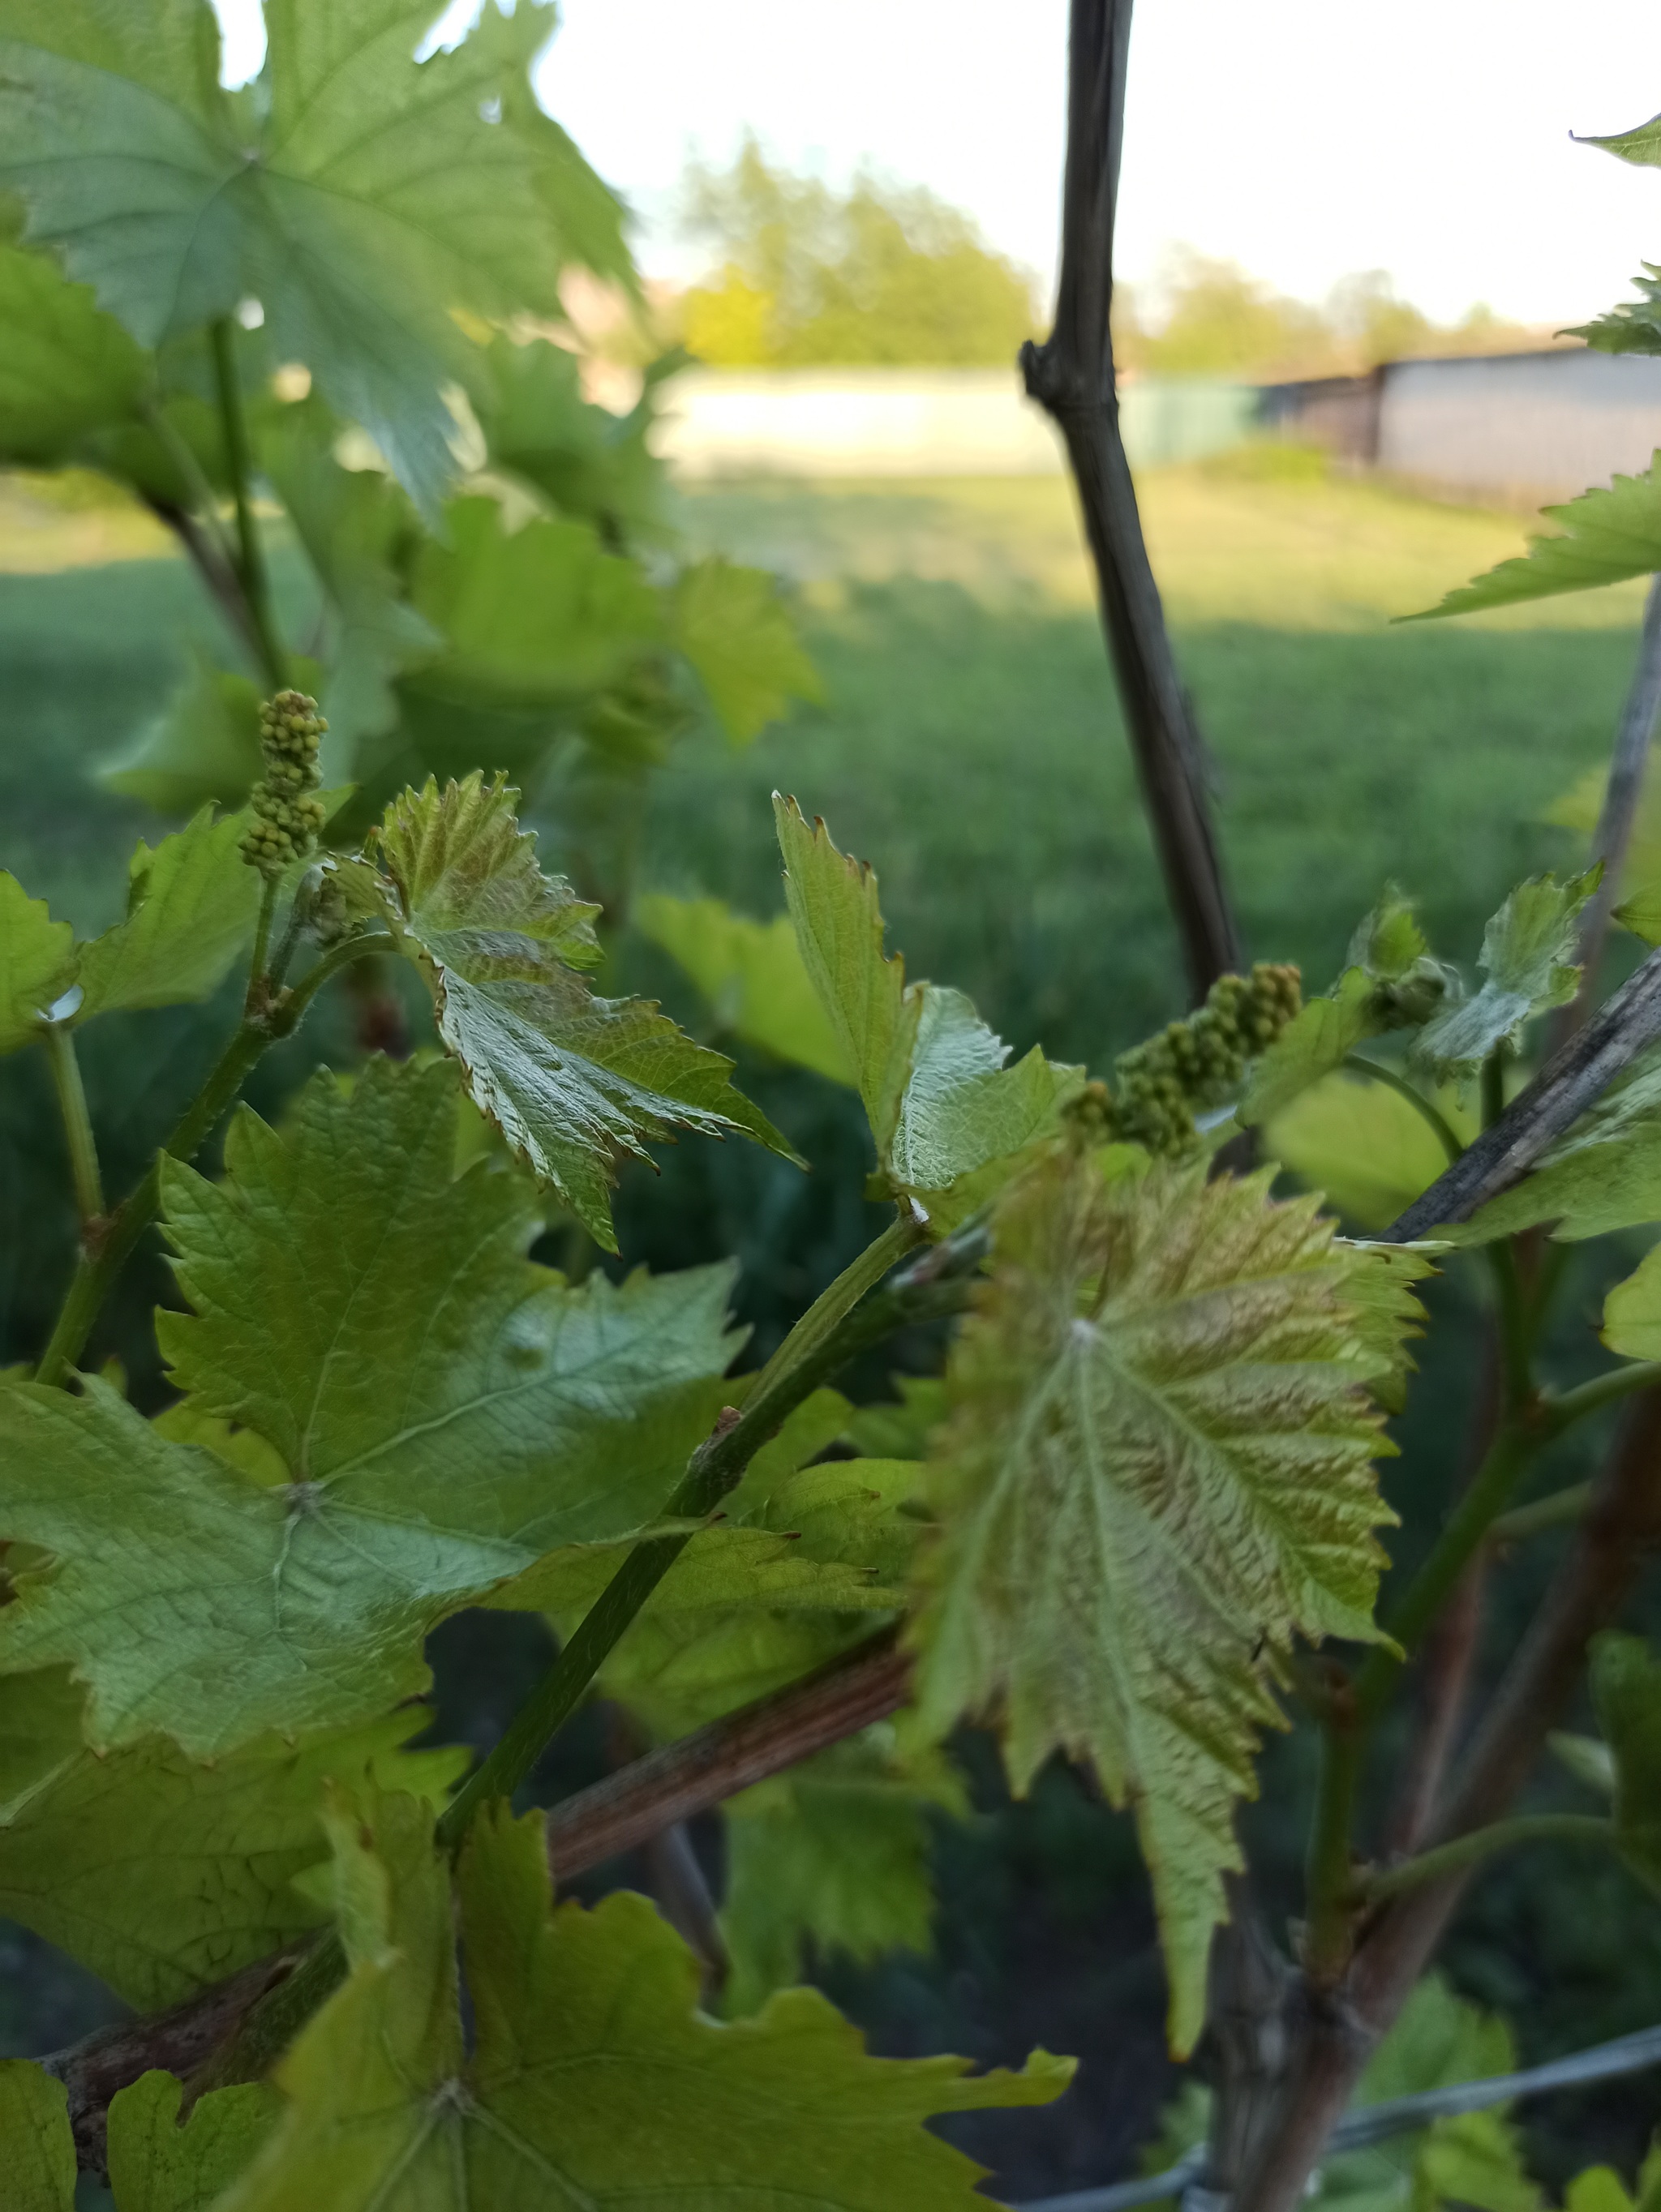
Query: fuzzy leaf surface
x,y
1157,1470
736,631
158,2166
1608,535
362,199
160,1875
593,2081
36,962
942,1104
445,1410
1527,958
753,976
34,2127
573,1081
192,904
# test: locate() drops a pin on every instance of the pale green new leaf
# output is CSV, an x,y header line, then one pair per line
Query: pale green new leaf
x,y
1625,1691
1608,535
1158,1472
733,627
942,1104
594,2081
1527,957
1388,1314
445,1412
751,974
1631,1311
573,1081
202,746
66,369
1600,2189
39,2149
1368,1149
371,196
158,2166
190,909
589,462
37,962
163,1876
835,1854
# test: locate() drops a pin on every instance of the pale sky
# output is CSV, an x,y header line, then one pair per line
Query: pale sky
x,y
1303,138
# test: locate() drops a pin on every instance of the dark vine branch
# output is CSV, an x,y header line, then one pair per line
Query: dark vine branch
x,y
1071,376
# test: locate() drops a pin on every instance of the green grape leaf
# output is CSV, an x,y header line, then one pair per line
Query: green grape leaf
x,y
1602,1174
1608,535
590,463
1157,1470
190,909
1632,325
1388,1314
66,369
1631,1311
34,2127
350,522
1626,1693
37,962
362,199
540,616
900,1428
1364,1147
204,746
736,631
593,2078
446,1411
1527,957
834,1853
157,2164
571,1080
942,1104
720,1568
163,1876
753,976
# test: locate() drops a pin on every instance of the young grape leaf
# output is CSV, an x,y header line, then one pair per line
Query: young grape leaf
x,y
190,909
66,368
39,2149
37,962
1158,1472
1527,956
361,199
161,1876
589,462
732,625
941,1102
571,1080
1608,535
446,1411
751,974
1363,1147
835,1853
1625,1691
593,2080
722,1568
1631,325
1601,2189
1388,1313
158,2165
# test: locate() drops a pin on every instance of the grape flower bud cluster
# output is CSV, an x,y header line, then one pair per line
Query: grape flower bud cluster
x,y
1195,1066
287,816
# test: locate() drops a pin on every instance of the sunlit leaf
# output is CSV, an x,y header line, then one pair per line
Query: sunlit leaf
x,y
593,2080
1157,1473
1608,535
573,1082
1527,958
445,1412
590,463
751,974
733,627
1367,1149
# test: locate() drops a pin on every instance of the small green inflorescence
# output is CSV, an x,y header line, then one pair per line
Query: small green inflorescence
x,y
288,817
1194,1067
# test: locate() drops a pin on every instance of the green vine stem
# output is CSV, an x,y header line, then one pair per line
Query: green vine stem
x,y
1481,1844
715,1467
1555,1511
255,997
59,1041
1328,1913
250,565
103,1259
901,1236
